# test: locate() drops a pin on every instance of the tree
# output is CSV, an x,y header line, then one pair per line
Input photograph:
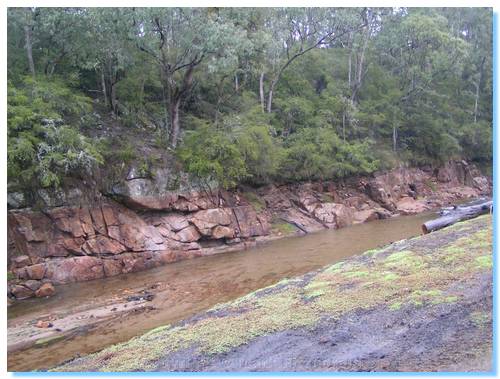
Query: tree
x,y
296,31
180,40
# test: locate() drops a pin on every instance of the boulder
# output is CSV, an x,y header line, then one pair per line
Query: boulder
x,y
20,261
364,216
47,289
188,234
302,221
77,269
308,201
481,184
248,223
176,222
206,220
21,292
408,205
222,232
32,284
334,215
36,272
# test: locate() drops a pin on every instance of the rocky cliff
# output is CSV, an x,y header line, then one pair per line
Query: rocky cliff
x,y
141,229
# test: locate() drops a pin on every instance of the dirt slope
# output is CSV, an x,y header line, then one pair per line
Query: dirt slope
x,y
423,304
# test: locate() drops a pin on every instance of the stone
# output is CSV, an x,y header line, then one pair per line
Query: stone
x,y
32,284
20,261
87,268
47,289
364,216
133,263
29,226
249,223
109,216
77,269
382,213
222,232
73,245
188,234
334,215
481,184
176,222
112,267
103,245
302,221
86,222
98,220
44,324
408,205
308,201
206,220
21,292
36,272
67,219
16,200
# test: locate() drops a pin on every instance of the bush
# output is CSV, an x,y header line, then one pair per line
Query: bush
x,y
313,154
212,155
41,148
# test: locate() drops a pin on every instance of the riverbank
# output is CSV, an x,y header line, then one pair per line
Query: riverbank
x,y
423,304
140,230
89,316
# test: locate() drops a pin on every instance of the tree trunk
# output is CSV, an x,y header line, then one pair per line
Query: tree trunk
x,y
174,122
114,103
476,102
236,83
394,138
349,62
343,125
261,91
29,47
104,93
270,97
478,85
359,66
457,214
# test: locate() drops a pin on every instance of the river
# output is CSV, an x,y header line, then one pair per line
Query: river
x,y
185,288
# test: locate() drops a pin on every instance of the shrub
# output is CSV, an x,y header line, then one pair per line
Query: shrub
x,y
41,148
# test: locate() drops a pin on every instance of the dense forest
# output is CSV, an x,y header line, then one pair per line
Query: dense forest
x,y
248,95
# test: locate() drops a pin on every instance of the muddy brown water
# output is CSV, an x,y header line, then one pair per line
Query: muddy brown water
x,y
188,287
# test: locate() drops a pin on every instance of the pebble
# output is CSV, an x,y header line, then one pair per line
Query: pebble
x,y
44,324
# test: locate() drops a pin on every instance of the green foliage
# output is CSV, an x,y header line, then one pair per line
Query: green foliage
x,y
41,148
414,85
126,153
210,155
320,154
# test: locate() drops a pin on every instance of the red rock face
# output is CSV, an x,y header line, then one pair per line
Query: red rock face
x,y
69,244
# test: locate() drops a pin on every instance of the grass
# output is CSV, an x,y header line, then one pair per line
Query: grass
x,y
397,276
